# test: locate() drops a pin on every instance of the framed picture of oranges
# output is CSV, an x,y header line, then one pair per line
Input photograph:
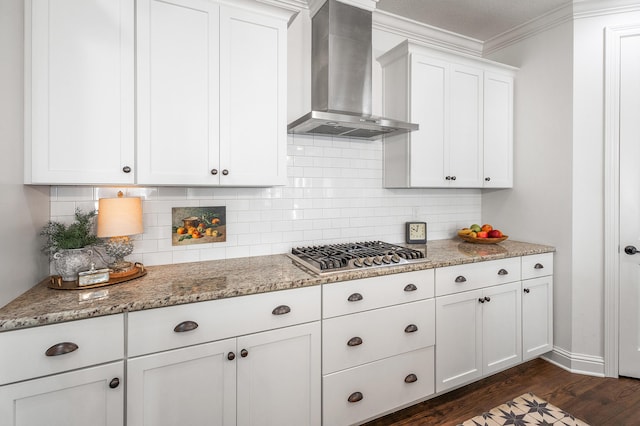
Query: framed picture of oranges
x,y
198,225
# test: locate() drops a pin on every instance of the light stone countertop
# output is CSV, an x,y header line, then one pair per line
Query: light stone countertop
x,y
169,285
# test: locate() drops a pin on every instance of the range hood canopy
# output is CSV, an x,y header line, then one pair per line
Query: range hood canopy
x,y
341,55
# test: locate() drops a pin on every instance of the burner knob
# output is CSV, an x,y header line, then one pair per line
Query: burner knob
x,y
368,261
386,259
358,263
395,258
377,260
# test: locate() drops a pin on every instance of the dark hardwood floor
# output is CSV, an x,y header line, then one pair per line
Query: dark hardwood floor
x,y
597,401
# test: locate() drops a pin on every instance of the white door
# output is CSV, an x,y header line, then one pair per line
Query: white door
x,y
498,131
79,92
253,123
279,377
90,396
501,327
191,386
465,152
537,317
177,86
458,339
629,351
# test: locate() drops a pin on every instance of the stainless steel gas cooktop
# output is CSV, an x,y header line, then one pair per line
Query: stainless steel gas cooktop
x,y
350,256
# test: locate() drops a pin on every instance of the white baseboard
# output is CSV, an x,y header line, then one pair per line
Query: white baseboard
x,y
576,363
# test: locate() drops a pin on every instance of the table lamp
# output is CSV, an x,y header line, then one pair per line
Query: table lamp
x,y
118,218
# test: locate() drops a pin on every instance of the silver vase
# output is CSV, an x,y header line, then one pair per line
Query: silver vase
x,y
69,262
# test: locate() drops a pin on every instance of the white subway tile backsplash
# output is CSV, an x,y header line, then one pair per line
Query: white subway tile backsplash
x,y
334,194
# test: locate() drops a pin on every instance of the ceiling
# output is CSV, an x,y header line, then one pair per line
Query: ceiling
x,y
478,19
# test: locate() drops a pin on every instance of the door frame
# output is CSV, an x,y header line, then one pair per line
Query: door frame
x,y
613,36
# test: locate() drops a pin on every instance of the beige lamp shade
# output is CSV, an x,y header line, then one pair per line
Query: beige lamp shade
x,y
119,217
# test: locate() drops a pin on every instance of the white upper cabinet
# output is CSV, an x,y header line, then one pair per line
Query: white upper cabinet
x,y
464,107
79,91
210,93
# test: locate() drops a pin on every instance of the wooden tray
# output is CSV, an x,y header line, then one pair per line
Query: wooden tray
x,y
470,239
55,281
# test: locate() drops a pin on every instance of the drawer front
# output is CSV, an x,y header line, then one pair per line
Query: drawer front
x,y
537,265
353,296
356,339
471,276
383,386
70,345
160,329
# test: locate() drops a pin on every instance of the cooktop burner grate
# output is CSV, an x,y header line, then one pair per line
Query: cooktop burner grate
x,y
345,256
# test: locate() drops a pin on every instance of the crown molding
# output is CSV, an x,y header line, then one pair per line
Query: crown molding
x,y
425,34
572,11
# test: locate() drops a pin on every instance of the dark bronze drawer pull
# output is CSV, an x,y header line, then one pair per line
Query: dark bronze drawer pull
x,y
244,353
354,341
411,378
411,328
410,287
355,397
503,272
61,349
461,279
231,356
114,383
281,310
355,297
185,326
538,266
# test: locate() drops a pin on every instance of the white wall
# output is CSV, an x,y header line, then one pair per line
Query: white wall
x,y
539,207
334,192
23,210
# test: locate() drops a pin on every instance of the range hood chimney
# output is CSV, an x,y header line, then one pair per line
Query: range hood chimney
x,y
341,57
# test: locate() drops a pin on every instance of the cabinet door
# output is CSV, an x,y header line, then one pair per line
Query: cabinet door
x,y
498,131
465,154
458,339
279,377
178,127
190,386
83,397
429,93
253,124
79,120
537,317
501,327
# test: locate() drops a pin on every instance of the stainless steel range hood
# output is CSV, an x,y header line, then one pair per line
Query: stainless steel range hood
x,y
341,57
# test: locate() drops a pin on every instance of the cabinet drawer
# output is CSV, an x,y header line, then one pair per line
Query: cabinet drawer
x,y
77,344
384,385
349,297
368,336
471,276
183,325
537,265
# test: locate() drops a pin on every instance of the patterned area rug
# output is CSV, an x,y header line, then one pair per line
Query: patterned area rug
x,y
525,410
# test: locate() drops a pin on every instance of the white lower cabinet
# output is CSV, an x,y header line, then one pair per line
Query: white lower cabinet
x,y
263,368
377,348
90,396
477,333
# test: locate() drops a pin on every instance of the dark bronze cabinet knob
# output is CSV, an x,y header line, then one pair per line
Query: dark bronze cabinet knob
x,y
225,172
244,353
214,171
231,356
355,297
61,349
355,397
114,383
126,169
487,179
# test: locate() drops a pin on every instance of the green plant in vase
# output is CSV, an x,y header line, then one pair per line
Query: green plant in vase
x,y
70,245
